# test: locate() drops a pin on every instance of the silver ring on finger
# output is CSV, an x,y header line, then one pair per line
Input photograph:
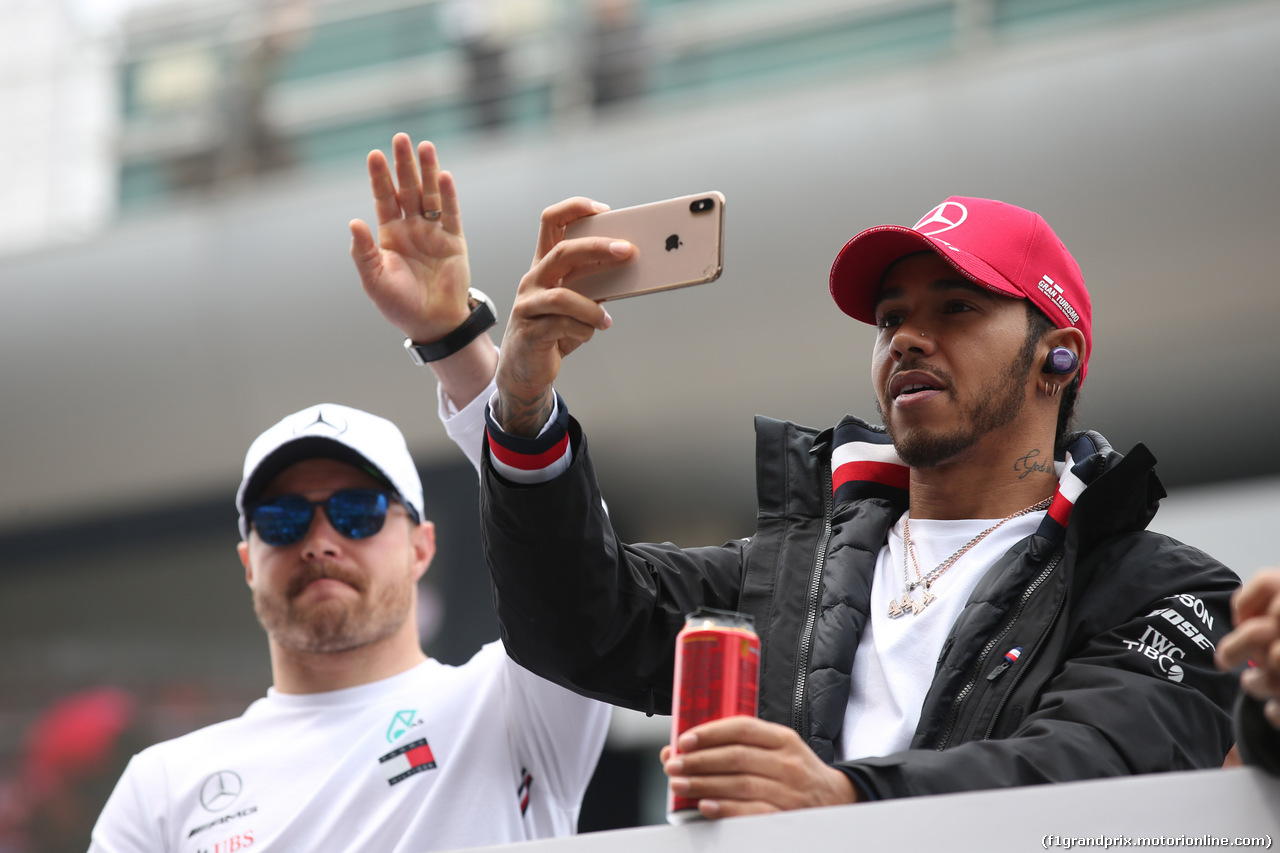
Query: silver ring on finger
x,y
432,215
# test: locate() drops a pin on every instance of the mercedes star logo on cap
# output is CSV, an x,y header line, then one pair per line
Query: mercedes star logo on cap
x,y
946,216
321,425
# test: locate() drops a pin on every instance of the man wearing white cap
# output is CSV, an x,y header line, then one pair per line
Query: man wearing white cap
x,y
963,598
362,742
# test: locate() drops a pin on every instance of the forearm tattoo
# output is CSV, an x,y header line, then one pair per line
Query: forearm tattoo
x,y
524,416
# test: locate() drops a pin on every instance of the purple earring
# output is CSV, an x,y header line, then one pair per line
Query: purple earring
x,y
1061,360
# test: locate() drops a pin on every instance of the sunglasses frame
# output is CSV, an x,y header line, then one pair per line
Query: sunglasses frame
x,y
325,505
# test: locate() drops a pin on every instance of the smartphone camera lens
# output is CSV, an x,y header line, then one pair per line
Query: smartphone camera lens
x,y
701,205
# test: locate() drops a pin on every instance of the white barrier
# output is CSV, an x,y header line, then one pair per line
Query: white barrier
x,y
1204,810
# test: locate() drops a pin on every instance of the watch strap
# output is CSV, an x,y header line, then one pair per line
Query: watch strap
x,y
482,318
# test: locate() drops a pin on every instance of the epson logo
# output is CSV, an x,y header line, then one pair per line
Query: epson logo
x,y
1197,606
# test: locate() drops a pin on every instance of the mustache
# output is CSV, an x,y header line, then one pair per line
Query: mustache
x,y
320,570
913,363
924,366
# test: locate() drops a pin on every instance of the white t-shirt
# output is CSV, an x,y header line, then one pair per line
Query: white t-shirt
x,y
435,758
894,666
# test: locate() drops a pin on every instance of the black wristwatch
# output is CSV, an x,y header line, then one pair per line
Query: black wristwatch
x,y
483,317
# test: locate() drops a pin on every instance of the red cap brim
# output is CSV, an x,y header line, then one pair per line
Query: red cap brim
x,y
859,268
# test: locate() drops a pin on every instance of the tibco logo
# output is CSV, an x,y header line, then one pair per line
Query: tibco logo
x,y
1160,649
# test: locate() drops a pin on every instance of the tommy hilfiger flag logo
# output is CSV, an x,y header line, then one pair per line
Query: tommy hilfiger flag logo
x,y
1013,654
526,782
409,759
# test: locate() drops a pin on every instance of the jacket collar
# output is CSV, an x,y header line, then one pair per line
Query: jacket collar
x,y
865,465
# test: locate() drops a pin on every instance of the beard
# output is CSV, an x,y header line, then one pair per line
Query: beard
x,y
333,625
996,405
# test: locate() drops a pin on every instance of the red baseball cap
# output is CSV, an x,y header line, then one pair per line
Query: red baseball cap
x,y
999,246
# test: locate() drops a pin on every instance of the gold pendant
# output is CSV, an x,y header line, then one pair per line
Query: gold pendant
x,y
895,609
928,599
917,607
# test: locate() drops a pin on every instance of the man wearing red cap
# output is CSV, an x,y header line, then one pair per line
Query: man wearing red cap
x,y
965,598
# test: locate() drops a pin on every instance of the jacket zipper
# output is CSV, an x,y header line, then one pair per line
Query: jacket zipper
x,y
1026,662
954,715
811,608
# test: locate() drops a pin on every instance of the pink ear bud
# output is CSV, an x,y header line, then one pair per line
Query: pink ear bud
x,y
1061,360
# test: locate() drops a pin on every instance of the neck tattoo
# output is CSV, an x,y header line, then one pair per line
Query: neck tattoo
x,y
907,603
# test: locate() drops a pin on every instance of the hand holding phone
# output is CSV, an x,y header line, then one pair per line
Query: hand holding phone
x,y
679,242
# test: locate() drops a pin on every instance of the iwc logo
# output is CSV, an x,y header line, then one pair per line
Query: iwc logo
x,y
220,790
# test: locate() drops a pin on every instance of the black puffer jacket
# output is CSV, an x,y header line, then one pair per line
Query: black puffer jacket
x,y
1117,624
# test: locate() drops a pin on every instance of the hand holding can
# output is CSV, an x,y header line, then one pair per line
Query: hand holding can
x,y
717,675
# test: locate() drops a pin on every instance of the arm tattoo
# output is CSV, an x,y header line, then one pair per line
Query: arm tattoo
x,y
524,416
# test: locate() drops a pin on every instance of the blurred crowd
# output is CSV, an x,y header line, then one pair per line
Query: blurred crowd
x,y
603,44
70,756
69,760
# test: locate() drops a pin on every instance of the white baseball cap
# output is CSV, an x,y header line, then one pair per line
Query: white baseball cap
x,y
329,431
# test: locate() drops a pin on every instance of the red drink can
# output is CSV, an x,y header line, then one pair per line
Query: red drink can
x,y
717,675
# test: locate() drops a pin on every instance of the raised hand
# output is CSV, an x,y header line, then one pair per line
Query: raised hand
x,y
417,272
549,321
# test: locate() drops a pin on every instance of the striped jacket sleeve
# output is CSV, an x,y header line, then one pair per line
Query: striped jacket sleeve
x,y
529,461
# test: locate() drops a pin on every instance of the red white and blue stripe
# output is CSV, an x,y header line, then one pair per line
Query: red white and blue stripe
x,y
531,460
865,465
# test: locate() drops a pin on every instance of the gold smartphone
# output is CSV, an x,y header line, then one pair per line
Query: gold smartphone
x,y
680,241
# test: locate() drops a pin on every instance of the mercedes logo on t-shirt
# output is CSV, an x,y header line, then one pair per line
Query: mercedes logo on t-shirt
x,y
220,790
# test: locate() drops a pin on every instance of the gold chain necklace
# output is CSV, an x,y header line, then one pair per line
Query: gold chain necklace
x,y
896,607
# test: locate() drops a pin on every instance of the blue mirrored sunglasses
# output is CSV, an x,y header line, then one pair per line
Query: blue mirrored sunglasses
x,y
354,513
